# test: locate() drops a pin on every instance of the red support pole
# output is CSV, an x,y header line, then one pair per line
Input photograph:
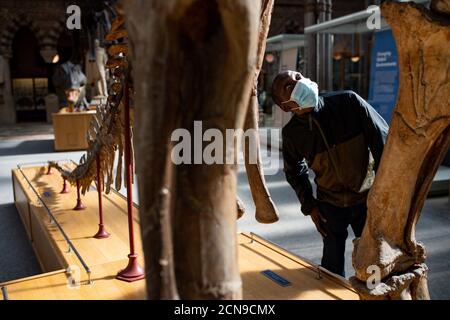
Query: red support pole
x,y
80,205
101,233
133,271
65,188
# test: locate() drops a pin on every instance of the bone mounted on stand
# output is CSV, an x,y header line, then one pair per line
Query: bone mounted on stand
x,y
206,51
154,124
216,86
419,138
265,209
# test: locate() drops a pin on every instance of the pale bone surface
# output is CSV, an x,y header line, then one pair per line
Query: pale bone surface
x,y
200,65
418,139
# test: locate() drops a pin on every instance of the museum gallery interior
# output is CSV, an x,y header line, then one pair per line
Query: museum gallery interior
x,y
115,79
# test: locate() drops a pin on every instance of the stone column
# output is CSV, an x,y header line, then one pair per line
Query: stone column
x,y
328,49
7,110
311,40
324,48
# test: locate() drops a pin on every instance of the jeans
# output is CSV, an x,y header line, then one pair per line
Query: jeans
x,y
338,220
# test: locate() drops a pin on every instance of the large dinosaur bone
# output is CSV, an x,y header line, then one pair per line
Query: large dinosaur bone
x,y
418,139
265,210
193,60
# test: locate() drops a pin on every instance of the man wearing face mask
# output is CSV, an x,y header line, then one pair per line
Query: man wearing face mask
x,y
341,138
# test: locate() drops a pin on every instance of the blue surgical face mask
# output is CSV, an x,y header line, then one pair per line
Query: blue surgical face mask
x,y
305,94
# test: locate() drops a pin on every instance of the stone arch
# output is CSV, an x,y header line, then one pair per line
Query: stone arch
x,y
15,23
52,33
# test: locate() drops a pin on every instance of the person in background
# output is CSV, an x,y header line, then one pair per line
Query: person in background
x,y
341,138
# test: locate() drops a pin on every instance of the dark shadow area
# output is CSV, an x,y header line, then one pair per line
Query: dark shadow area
x,y
17,258
14,147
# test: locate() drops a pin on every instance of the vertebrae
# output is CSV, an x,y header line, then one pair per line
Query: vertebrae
x,y
105,135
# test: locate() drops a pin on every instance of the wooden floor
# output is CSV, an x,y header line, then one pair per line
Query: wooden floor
x,y
106,257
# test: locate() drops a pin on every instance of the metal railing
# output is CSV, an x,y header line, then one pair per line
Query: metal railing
x,y
5,293
53,220
312,266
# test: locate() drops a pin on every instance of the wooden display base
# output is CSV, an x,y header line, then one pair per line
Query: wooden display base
x,y
88,270
70,129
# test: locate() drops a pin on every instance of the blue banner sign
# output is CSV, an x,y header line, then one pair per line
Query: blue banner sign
x,y
384,74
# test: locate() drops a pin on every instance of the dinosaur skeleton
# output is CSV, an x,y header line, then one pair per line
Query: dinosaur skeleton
x,y
105,135
105,132
208,201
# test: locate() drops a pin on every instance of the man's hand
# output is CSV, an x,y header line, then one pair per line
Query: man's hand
x,y
318,219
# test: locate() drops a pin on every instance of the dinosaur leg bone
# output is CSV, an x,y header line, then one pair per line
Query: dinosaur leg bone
x,y
418,139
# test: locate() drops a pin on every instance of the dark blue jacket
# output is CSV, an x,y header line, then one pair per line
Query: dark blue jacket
x,y
350,127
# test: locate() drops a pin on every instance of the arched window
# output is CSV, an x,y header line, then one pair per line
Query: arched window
x,y
29,74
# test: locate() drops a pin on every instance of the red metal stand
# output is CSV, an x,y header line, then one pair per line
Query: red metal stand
x,y
101,233
133,271
65,188
80,205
